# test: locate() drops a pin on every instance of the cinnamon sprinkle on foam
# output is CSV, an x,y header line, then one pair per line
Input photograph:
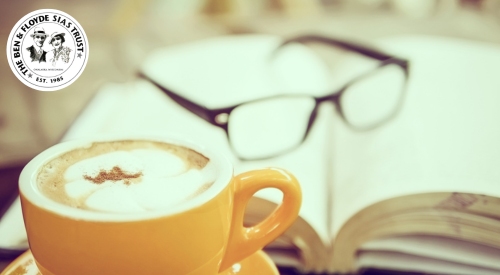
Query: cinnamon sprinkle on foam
x,y
114,174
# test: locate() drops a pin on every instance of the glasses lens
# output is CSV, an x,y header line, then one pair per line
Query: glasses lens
x,y
373,98
266,128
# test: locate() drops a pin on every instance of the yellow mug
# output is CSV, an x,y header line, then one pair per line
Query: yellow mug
x,y
202,236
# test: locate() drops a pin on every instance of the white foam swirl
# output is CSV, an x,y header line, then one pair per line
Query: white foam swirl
x,y
165,181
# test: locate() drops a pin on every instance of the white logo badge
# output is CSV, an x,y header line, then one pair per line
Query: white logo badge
x,y
47,50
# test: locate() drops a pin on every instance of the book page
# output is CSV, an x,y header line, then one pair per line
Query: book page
x,y
445,249
12,231
411,263
444,140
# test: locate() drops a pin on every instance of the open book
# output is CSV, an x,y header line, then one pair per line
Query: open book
x,y
420,193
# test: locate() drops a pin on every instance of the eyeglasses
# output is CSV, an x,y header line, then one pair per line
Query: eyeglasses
x,y
271,126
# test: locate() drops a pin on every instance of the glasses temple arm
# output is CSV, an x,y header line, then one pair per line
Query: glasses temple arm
x,y
196,109
366,51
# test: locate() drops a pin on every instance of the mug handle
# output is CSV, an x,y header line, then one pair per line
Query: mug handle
x,y
244,241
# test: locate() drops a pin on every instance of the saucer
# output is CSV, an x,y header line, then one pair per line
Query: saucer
x,y
258,263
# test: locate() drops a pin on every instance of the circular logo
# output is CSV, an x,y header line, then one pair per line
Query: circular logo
x,y
47,50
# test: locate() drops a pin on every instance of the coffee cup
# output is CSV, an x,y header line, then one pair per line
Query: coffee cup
x,y
145,205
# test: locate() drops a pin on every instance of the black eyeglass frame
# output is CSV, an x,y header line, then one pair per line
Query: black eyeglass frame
x,y
220,117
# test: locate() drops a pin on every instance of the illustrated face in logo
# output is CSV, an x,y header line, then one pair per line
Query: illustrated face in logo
x,y
39,37
39,40
57,40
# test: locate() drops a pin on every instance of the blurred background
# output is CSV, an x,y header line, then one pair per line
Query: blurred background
x,y
122,33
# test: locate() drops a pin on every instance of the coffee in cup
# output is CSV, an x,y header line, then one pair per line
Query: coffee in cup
x,y
126,176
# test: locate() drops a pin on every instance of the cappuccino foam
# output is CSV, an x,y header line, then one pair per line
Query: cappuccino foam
x,y
126,176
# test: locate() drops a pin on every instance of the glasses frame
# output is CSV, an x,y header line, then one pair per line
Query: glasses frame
x,y
220,116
